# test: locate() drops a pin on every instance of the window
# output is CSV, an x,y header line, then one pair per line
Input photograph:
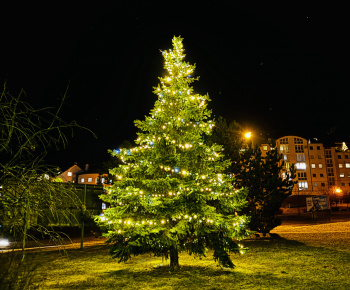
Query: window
x,y
82,180
329,163
319,156
303,185
265,147
320,165
341,174
312,157
330,171
313,174
347,165
285,157
300,157
340,165
89,179
300,166
311,147
298,141
302,176
318,147
315,184
339,156
284,148
287,165
299,149
313,165
321,175
284,141
346,156
70,173
348,174
323,184
342,183
103,180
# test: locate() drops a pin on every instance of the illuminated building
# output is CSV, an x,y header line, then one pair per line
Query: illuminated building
x,y
318,168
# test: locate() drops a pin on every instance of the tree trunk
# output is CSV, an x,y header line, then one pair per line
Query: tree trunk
x,y
25,228
174,259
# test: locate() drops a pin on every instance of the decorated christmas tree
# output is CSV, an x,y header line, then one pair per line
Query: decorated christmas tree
x,y
171,194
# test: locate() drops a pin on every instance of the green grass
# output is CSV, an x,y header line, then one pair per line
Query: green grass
x,y
283,263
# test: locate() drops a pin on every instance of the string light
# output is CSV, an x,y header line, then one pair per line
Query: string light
x,y
160,170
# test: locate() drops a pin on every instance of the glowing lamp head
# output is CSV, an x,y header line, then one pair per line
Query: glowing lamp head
x,y
248,135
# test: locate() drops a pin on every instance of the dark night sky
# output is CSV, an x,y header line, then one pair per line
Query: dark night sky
x,y
277,70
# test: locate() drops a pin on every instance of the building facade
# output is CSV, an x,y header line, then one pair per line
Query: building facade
x,y
318,168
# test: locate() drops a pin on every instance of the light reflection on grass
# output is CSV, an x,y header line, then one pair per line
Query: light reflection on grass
x,y
270,264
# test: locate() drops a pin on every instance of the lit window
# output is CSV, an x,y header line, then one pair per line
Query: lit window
x,y
284,148
340,165
315,184
69,173
303,185
341,174
89,179
285,157
313,165
103,180
347,165
300,166
319,156
320,165
83,180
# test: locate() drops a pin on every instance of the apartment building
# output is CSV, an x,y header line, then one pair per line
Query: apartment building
x,y
318,168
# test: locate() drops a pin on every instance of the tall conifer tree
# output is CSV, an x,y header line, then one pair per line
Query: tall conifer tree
x,y
171,194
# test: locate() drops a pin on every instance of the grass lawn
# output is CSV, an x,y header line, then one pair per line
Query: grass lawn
x,y
300,259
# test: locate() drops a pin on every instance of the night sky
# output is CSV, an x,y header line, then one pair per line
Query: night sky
x,y
277,70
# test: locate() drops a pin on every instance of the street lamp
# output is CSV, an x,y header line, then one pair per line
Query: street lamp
x,y
248,135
